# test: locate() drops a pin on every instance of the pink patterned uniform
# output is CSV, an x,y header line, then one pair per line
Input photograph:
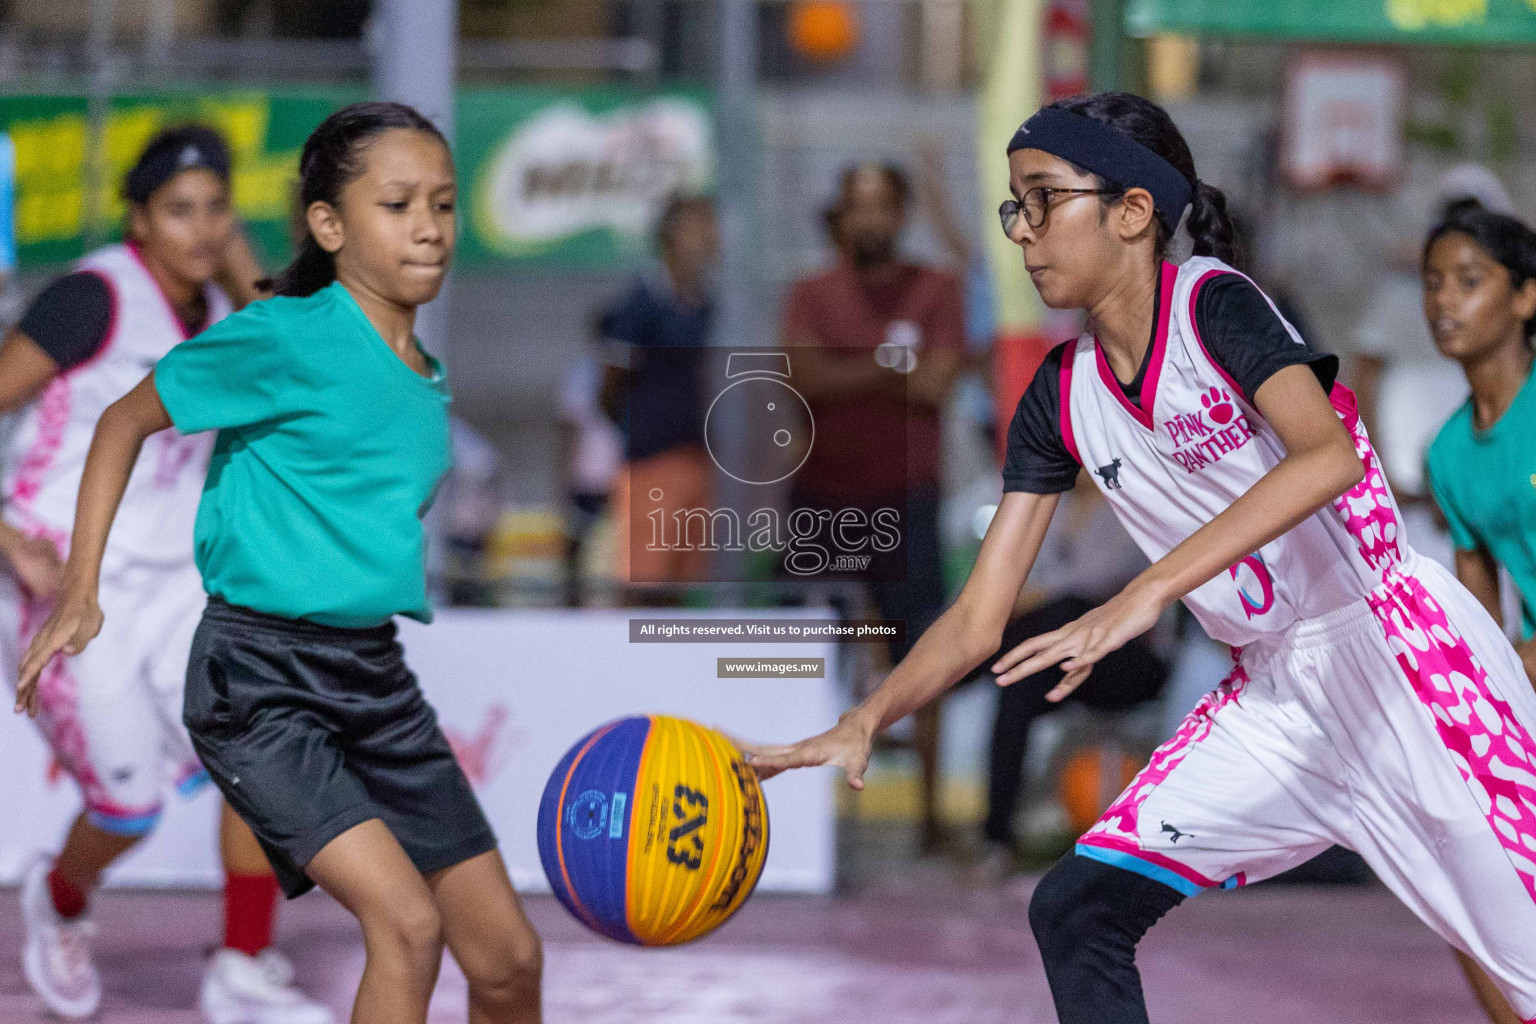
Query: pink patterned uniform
x,y
1373,704
112,715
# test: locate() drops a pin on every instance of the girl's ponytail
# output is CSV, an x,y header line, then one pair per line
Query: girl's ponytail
x,y
311,270
1210,225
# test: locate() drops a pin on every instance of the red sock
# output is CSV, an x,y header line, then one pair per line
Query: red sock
x,y
68,898
250,903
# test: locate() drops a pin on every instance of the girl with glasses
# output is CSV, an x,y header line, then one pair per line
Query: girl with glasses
x,y
1373,702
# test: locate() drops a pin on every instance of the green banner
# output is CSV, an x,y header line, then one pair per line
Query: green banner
x,y
575,178
1353,21
547,177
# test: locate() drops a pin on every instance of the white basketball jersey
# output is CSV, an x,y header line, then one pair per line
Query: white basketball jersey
x,y
1193,447
45,453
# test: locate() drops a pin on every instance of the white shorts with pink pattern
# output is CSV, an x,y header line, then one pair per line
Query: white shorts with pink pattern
x,y
1403,727
112,715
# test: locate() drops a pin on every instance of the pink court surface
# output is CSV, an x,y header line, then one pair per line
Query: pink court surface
x,y
912,948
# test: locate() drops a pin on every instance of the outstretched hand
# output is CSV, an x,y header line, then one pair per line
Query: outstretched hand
x,y
846,745
1080,644
75,621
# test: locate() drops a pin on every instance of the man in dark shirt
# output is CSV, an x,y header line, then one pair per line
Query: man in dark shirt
x,y
655,338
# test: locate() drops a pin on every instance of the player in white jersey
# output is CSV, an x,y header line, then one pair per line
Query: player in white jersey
x,y
1373,703
112,716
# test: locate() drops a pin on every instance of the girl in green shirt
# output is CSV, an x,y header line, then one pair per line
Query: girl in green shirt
x,y
1480,300
333,437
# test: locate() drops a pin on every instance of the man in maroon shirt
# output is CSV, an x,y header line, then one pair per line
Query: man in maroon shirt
x,y
876,344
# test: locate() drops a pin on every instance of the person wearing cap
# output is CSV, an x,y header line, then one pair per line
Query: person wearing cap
x,y
112,716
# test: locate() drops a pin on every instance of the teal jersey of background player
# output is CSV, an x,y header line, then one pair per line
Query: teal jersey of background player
x,y
330,451
1485,483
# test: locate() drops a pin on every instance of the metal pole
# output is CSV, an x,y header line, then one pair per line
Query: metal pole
x,y
98,104
159,34
738,140
415,61
740,265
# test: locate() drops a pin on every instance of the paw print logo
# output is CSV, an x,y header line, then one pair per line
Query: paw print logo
x,y
1219,404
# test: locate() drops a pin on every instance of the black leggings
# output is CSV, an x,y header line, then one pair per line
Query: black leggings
x,y
1087,918
1123,679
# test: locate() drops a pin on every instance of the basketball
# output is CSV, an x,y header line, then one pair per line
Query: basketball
x,y
653,830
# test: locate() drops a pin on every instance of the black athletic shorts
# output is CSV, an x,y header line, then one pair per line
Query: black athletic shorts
x,y
309,730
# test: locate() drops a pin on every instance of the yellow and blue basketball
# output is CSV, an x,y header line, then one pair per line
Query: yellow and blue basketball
x,y
653,830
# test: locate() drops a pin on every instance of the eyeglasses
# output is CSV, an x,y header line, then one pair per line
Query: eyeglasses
x,y
1036,205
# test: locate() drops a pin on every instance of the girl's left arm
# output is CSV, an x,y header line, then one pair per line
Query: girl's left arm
x,y
1320,464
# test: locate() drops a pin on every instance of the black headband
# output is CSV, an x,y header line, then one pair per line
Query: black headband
x,y
171,153
1109,153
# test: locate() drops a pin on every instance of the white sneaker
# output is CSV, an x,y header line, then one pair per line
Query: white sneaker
x,y
241,989
56,955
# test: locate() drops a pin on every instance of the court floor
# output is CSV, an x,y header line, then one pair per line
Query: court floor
x,y
917,947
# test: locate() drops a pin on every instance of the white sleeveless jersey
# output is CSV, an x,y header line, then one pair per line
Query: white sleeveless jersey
x,y
1193,448
44,455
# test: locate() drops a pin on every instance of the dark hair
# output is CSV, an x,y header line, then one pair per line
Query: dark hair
x,y
895,178
1208,225
1506,240
332,157
678,206
182,147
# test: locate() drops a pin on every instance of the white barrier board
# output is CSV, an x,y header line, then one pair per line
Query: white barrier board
x,y
513,690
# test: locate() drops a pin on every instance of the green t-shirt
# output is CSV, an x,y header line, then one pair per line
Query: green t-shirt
x,y
329,453
1485,482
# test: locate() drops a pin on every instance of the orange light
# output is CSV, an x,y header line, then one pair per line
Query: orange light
x,y
823,30
1088,785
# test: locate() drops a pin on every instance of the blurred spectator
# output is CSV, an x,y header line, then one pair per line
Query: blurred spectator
x,y
592,453
469,502
877,344
1086,558
655,338
1405,387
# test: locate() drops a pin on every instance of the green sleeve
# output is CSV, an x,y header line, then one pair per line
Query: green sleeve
x,y
1461,534
236,373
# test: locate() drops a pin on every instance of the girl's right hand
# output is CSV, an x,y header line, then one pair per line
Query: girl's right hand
x,y
846,744
75,621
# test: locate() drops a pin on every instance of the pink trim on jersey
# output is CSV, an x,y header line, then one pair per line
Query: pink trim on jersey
x,y
59,721
1119,827
1194,293
52,422
1481,734
1366,508
1064,400
53,410
170,308
1155,355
